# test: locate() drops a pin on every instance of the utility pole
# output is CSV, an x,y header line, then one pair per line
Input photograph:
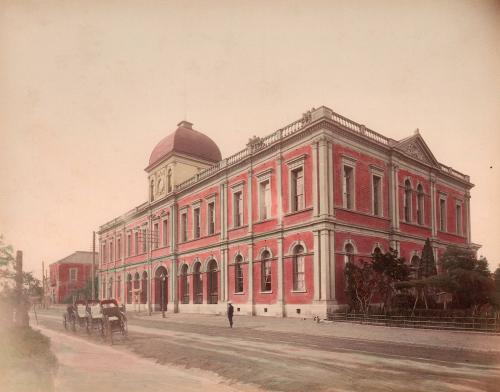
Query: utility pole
x,y
93,265
22,319
43,285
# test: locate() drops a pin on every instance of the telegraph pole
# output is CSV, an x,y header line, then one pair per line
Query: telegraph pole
x,y
93,265
43,285
22,319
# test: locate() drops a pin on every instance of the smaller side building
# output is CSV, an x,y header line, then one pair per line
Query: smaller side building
x,y
69,275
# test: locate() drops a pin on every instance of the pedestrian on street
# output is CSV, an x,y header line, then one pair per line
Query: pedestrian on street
x,y
230,311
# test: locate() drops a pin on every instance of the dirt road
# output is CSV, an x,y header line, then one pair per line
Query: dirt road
x,y
274,359
87,365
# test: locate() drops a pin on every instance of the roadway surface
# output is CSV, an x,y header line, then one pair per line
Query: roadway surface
x,y
186,352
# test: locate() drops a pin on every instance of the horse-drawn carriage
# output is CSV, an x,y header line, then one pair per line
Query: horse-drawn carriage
x,y
75,315
95,321
114,319
105,317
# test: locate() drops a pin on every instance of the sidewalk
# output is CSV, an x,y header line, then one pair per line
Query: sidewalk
x,y
433,338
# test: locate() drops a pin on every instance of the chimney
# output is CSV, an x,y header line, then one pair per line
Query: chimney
x,y
185,124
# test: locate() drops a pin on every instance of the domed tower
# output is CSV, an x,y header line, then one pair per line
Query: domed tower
x,y
177,157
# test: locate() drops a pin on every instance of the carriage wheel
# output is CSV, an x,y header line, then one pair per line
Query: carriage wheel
x,y
73,324
65,321
124,328
106,327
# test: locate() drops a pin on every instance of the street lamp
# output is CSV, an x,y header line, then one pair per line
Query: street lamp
x,y
162,277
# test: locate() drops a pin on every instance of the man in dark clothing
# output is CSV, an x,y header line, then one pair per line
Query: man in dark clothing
x,y
230,311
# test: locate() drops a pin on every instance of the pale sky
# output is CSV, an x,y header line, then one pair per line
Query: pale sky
x,y
87,89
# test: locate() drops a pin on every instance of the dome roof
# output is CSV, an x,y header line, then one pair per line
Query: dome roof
x,y
187,141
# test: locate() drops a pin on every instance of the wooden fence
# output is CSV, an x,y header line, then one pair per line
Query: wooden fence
x,y
460,323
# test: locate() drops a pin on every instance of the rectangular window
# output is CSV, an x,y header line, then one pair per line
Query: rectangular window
x,y
211,218
111,251
156,233
103,253
144,241
165,232
377,208
265,200
73,274
442,214
238,209
348,187
129,245
297,189
184,227
136,243
119,248
458,219
196,223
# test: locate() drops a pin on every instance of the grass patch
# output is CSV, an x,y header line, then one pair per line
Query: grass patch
x,y
26,362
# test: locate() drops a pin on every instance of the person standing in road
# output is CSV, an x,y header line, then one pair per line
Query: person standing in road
x,y
230,312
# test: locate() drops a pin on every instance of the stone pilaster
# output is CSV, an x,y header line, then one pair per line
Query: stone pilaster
x,y
279,186
251,299
433,205
317,266
315,178
468,222
322,183
281,285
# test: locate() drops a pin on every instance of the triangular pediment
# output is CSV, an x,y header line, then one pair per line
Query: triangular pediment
x,y
417,148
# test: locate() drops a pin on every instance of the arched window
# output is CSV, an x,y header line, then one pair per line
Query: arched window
x,y
420,204
185,284
197,284
238,274
110,288
265,270
152,190
129,288
144,287
298,268
349,253
161,288
407,201
137,287
169,180
212,286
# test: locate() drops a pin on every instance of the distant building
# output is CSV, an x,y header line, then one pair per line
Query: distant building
x,y
69,275
271,227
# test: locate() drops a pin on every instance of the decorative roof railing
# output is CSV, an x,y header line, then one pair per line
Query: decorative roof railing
x,y
453,172
360,128
257,143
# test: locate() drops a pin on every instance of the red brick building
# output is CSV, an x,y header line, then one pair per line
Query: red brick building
x,y
271,227
69,274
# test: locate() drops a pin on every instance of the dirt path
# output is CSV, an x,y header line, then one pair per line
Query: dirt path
x,y
86,366
293,361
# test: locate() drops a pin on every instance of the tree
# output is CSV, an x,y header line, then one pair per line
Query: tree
x,y
361,284
496,281
427,265
425,268
377,277
468,279
11,300
390,270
